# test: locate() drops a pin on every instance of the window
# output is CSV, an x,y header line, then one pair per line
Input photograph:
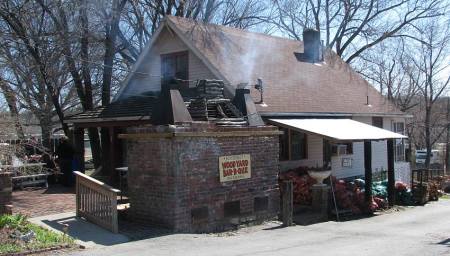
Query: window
x,y
293,145
398,127
377,121
298,145
342,149
284,144
174,66
399,144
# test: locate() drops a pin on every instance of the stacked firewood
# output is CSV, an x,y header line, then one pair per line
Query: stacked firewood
x,y
210,88
198,109
302,184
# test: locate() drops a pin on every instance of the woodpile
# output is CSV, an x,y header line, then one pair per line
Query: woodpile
x,y
210,105
198,109
210,88
302,184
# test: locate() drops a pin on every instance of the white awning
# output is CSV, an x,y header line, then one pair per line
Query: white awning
x,y
338,129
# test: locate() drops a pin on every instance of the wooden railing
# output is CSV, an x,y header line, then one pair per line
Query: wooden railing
x,y
96,202
425,175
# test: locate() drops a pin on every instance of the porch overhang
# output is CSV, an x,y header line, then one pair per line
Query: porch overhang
x,y
338,129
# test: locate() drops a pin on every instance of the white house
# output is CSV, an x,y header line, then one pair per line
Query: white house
x,y
299,81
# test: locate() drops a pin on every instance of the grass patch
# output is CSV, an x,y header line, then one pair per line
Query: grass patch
x,y
17,234
445,197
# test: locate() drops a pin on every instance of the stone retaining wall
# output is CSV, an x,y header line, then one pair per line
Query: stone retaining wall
x,y
5,193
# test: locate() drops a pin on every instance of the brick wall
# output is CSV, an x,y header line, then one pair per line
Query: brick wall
x,y
174,180
5,193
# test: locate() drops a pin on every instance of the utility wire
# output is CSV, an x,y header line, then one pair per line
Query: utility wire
x,y
115,67
88,61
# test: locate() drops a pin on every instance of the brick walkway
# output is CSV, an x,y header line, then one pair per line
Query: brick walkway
x,y
35,202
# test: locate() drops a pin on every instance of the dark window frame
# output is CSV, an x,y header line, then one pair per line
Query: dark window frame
x,y
348,149
377,121
399,146
175,57
286,151
304,151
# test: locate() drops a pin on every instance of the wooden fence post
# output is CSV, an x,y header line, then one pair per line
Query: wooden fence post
x,y
288,205
78,195
391,172
115,221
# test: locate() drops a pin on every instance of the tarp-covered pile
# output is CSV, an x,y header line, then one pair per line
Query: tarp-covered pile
x,y
350,196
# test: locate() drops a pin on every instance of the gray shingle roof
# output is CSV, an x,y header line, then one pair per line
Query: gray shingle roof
x,y
133,108
290,85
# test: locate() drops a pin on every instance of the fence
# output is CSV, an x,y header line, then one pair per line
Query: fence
x,y
425,175
379,176
97,202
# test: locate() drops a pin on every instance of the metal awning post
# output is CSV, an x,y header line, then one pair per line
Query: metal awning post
x,y
391,174
368,170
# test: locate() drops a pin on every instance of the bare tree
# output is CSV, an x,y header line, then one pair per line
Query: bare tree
x,y
388,68
351,27
141,18
26,29
430,65
11,100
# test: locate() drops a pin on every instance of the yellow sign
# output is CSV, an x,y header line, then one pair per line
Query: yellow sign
x,y
235,167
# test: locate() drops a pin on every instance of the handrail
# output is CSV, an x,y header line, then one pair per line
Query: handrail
x,y
96,202
104,185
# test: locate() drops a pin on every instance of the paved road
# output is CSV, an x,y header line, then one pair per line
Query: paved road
x,y
417,231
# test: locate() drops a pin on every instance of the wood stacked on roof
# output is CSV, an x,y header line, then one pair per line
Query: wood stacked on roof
x,y
210,88
210,105
198,109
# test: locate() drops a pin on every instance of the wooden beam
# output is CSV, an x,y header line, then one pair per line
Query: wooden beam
x,y
112,123
199,134
391,174
78,138
112,154
368,170
326,154
289,145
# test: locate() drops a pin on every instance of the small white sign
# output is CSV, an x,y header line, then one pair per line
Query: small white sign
x,y
347,162
236,167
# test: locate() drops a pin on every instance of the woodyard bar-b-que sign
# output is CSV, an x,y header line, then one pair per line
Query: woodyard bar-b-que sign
x,y
235,167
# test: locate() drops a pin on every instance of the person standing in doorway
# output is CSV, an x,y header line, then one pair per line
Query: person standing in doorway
x,y
65,154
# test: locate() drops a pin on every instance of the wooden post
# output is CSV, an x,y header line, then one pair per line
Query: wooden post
x,y
112,155
288,205
368,170
78,195
391,174
326,154
114,220
78,138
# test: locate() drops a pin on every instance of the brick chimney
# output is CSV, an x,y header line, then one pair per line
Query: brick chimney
x,y
312,47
